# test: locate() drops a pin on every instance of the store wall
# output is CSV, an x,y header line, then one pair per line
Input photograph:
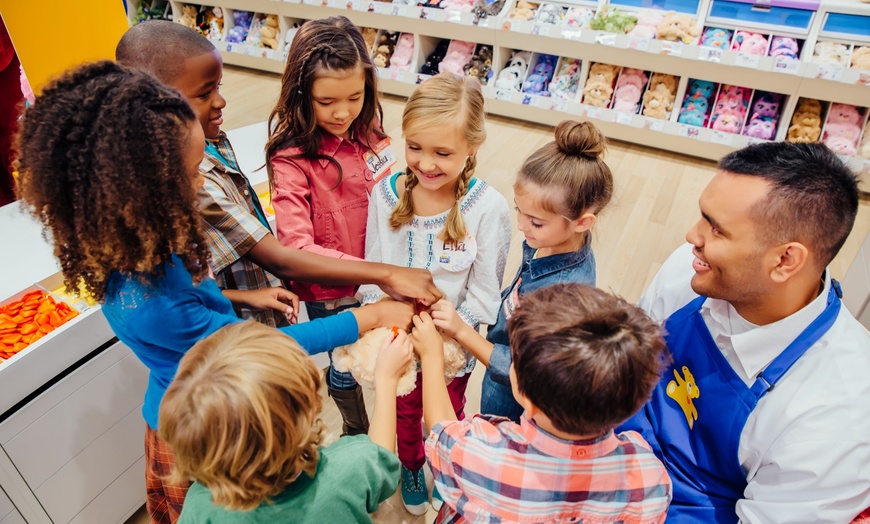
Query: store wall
x,y
53,35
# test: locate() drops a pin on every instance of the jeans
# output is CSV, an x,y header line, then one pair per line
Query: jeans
x,y
498,399
334,379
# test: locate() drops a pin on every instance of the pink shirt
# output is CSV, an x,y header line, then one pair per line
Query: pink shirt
x,y
315,215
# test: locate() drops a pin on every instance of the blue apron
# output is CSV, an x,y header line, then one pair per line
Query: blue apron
x,y
697,412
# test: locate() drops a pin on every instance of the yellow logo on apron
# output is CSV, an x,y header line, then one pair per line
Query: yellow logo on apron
x,y
683,390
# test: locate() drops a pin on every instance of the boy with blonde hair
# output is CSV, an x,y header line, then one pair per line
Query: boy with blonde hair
x,y
243,418
583,362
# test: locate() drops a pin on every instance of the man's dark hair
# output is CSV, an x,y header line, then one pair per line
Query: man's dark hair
x,y
813,197
161,47
587,359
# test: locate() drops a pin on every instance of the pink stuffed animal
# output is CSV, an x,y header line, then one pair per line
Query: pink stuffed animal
x,y
761,128
728,122
404,53
459,53
841,145
844,113
626,98
635,77
749,43
647,22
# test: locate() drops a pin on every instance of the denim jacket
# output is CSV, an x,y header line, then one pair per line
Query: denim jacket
x,y
576,266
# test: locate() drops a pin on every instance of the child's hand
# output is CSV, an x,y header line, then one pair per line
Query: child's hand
x,y
425,337
394,313
393,359
411,283
276,298
446,319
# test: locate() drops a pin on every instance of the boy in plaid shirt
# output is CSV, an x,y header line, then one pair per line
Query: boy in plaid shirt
x,y
583,362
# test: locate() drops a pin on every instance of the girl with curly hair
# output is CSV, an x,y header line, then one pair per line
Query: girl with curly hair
x,y
108,160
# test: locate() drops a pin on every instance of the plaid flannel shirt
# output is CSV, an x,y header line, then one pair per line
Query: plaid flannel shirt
x,y
229,209
489,469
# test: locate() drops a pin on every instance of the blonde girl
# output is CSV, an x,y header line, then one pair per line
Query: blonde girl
x,y
324,153
559,192
437,216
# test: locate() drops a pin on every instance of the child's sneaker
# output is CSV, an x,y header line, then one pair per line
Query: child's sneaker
x,y
437,501
415,496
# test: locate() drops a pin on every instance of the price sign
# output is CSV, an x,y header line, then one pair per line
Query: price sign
x,y
710,55
641,44
605,38
594,113
655,124
623,118
721,137
571,34
542,29
744,60
397,75
786,65
560,104
672,48
504,94
830,72
689,131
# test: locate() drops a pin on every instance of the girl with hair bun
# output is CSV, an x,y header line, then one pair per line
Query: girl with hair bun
x,y
559,192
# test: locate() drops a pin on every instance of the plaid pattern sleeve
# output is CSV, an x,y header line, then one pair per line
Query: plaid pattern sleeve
x,y
489,469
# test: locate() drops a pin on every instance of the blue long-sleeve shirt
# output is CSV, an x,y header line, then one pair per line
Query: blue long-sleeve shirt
x,y
576,266
161,318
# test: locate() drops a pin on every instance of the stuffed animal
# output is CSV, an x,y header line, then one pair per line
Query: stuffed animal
x,y
716,37
382,56
806,122
480,66
784,46
658,102
670,82
865,143
549,14
269,32
523,11
509,78
701,89
647,21
636,77
677,27
861,58
520,60
831,53
458,54
727,122
749,43
629,88
360,357
843,124
578,17
841,145
239,32
369,34
760,128
430,67
567,79
844,113
188,16
597,93
538,81
694,111
403,54
766,106
483,9
612,20
603,72
731,104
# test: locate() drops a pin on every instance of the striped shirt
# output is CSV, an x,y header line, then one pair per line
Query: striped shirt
x,y
489,469
234,222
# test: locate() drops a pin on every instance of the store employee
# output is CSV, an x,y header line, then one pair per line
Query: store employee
x,y
764,415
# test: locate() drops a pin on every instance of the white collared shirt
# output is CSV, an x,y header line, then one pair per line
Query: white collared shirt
x,y
806,446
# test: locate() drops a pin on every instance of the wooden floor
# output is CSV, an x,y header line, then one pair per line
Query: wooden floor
x,y
655,203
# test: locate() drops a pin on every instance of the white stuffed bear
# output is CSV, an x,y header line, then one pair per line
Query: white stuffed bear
x,y
359,359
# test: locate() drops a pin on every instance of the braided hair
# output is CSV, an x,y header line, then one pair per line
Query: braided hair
x,y
99,157
444,99
332,44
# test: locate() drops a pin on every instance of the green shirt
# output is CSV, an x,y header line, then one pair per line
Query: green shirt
x,y
353,477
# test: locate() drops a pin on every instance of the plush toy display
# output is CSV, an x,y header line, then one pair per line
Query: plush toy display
x,y
369,34
603,72
242,23
599,85
843,129
677,27
629,88
538,81
806,122
523,11
386,46
729,111
861,58
458,55
483,9
550,14
716,37
647,22
567,79
520,60
784,46
612,20
435,58
578,17
510,77
188,16
764,118
864,150
480,66
210,23
697,103
749,43
455,7
403,54
658,101
269,32
359,359
831,53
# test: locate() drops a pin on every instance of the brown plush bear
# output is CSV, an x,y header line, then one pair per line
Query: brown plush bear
x,y
269,32
677,27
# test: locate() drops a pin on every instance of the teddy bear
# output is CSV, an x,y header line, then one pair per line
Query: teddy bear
x,y
716,37
523,11
784,46
603,72
670,82
269,32
360,357
369,34
658,102
549,14
647,21
509,78
403,54
382,56
677,27
861,58
188,16
612,20
831,53
458,54
577,17
597,93
806,122
566,80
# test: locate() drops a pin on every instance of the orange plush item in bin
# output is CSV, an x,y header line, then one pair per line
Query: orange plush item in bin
x,y
28,319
